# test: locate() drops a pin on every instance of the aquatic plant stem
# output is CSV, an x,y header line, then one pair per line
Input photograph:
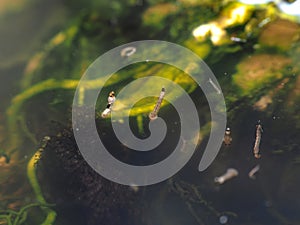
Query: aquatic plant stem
x,y
14,110
7,218
18,217
31,173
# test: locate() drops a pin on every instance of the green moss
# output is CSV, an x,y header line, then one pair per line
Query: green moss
x,y
236,14
155,15
271,35
201,49
254,72
31,173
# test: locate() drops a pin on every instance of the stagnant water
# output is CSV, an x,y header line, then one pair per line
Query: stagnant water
x,y
190,197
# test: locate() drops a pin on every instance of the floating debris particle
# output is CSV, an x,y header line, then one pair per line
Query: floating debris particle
x,y
230,173
238,40
128,51
134,187
253,172
264,22
153,114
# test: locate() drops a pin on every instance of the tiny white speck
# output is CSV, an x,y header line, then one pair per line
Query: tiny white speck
x,y
77,129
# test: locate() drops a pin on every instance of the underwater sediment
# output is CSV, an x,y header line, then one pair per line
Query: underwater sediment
x,y
81,195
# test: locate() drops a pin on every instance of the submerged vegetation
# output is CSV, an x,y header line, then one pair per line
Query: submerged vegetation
x,y
12,217
252,50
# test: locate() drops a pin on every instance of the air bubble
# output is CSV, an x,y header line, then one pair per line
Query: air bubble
x,y
223,219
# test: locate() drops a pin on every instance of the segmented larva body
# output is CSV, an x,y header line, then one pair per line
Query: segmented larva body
x,y
110,101
259,131
153,114
230,173
227,137
253,172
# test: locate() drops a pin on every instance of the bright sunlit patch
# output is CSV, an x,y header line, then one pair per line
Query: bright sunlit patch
x,y
202,31
237,15
255,2
213,30
290,8
217,34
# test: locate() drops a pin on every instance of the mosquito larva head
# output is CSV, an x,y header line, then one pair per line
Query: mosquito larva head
x,y
152,116
219,180
111,94
227,131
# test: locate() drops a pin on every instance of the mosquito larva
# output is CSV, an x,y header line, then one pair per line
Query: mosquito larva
x,y
153,114
256,151
253,172
110,101
230,173
227,137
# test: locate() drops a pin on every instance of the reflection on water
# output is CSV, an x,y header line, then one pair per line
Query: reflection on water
x,y
253,53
